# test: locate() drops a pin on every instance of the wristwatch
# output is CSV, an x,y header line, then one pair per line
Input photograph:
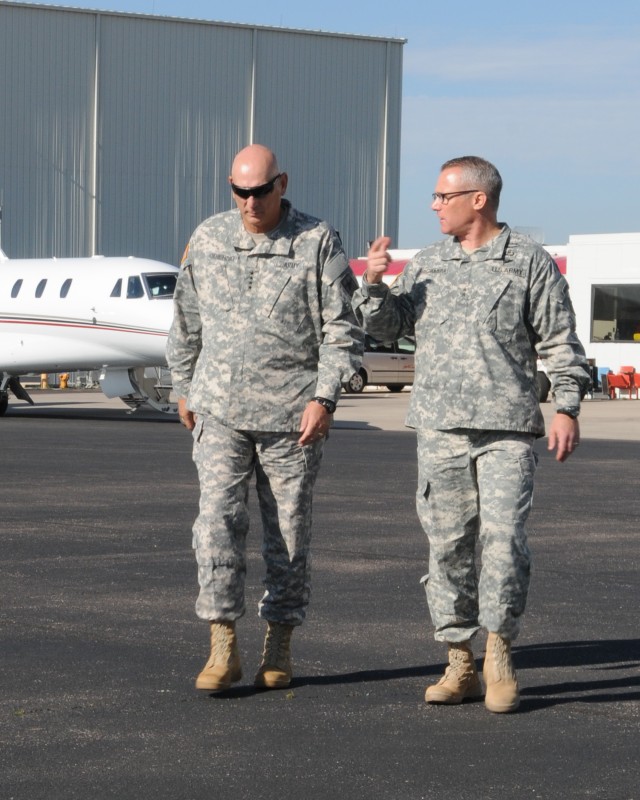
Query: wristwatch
x,y
569,411
328,404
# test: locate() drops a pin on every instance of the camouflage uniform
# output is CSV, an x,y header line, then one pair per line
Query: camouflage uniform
x,y
261,326
478,319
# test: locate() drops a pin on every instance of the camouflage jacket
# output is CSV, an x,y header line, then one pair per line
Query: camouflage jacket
x,y
479,320
260,329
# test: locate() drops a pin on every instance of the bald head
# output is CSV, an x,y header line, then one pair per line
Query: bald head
x,y
257,166
254,165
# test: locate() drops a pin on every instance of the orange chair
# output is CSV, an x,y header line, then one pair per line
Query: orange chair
x,y
625,380
630,374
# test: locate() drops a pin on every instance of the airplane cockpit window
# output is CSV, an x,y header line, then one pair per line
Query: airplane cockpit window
x,y
64,289
160,284
40,287
117,289
16,287
134,287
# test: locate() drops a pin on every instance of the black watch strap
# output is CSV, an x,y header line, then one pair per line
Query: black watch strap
x,y
328,404
569,412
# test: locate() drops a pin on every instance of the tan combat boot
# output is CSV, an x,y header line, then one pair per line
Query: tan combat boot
x,y
460,679
275,671
502,693
223,667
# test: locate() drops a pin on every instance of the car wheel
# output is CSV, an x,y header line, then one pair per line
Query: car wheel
x,y
356,382
395,387
544,386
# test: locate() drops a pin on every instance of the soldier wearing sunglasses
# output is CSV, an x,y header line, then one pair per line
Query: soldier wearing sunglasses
x,y
263,337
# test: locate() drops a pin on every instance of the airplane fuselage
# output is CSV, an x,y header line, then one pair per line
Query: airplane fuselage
x,y
83,313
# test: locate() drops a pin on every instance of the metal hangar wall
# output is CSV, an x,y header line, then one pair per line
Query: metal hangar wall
x,y
117,130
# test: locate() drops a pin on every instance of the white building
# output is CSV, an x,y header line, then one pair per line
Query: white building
x,y
603,271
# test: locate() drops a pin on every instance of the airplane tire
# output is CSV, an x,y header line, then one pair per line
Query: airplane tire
x,y
4,403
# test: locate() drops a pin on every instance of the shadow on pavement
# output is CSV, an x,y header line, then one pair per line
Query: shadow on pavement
x,y
579,654
603,655
615,654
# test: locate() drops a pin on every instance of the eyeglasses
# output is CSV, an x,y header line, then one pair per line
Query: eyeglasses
x,y
440,197
255,191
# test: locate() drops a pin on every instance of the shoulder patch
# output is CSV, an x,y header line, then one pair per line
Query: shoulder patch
x,y
185,255
335,268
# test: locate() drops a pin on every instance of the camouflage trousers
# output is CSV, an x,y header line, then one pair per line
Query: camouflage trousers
x,y
285,472
475,486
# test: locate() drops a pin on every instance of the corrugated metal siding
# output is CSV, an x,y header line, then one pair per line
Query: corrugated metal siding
x,y
176,100
322,105
391,180
173,100
46,63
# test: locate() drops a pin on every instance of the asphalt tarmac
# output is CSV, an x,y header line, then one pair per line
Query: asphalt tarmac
x,y
100,644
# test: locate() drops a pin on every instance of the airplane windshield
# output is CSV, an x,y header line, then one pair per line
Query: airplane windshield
x,y
160,284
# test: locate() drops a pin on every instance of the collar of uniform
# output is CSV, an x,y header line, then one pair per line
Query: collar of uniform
x,y
492,250
278,244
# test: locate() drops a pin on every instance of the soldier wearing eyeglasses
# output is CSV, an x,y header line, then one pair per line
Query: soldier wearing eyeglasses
x,y
482,305
263,337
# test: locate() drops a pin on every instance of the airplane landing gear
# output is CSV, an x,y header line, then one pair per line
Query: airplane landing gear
x,y
140,387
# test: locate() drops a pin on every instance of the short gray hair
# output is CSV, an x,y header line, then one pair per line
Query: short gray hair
x,y
480,174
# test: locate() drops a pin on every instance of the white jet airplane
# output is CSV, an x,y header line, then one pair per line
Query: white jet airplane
x,y
65,314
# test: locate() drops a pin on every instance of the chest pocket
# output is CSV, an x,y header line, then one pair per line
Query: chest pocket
x,y
431,304
273,302
283,297
501,310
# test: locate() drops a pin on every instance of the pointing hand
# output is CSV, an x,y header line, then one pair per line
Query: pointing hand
x,y
378,259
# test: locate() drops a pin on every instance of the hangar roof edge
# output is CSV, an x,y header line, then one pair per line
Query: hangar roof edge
x,y
192,21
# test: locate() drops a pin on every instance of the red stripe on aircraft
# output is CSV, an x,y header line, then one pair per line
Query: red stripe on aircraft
x,y
81,326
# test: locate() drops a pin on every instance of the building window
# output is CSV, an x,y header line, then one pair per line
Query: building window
x,y
615,313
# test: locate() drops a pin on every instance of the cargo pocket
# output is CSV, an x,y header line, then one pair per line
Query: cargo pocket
x,y
196,434
198,430
199,427
422,502
424,489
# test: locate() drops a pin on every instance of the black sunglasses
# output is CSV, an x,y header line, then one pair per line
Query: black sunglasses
x,y
255,191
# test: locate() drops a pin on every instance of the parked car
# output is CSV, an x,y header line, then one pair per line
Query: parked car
x,y
389,365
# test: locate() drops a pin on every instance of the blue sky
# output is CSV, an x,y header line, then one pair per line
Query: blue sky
x,y
548,91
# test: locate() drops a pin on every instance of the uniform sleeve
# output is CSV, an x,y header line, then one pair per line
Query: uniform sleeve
x,y
185,335
387,313
342,345
553,320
